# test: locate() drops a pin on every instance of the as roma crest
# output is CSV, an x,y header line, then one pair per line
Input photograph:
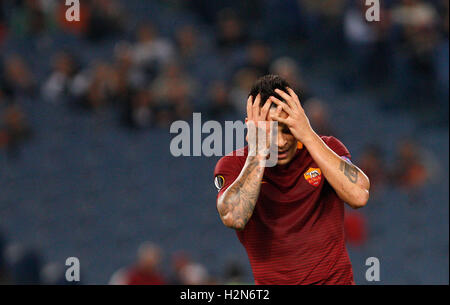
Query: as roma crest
x,y
313,176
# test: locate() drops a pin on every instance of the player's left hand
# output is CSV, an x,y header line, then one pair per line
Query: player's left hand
x,y
297,121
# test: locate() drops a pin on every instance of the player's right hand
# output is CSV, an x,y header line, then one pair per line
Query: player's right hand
x,y
258,127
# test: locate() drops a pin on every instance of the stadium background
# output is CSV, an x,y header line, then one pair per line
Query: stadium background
x,y
85,110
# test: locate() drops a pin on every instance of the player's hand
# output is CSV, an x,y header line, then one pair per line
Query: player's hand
x,y
258,126
297,121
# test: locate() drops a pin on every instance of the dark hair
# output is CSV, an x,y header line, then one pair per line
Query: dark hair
x,y
266,86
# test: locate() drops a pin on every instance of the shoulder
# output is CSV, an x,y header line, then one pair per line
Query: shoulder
x,y
336,145
331,140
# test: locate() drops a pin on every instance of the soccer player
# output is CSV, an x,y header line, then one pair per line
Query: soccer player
x,y
290,217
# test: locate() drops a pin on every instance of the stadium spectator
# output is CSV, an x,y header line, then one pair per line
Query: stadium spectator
x,y
258,57
360,34
151,51
173,91
57,85
14,130
3,28
219,103
17,77
4,277
242,83
106,19
355,227
25,264
179,260
234,274
319,116
144,271
323,22
417,21
368,44
372,163
134,74
194,274
289,69
441,60
140,113
28,18
187,42
53,273
230,30
95,88
413,166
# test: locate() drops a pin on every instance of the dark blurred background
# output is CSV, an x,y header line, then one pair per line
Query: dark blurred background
x,y
85,110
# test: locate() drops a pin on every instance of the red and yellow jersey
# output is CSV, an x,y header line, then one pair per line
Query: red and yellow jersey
x,y
296,232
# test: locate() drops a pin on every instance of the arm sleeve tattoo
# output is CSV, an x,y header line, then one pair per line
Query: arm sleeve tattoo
x,y
349,170
238,201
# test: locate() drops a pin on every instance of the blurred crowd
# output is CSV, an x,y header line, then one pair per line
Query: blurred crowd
x,y
22,264
157,75
146,270
153,79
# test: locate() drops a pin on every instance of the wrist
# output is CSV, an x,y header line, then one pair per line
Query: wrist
x,y
258,160
308,138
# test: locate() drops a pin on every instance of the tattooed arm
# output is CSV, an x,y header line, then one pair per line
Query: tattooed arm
x,y
349,182
236,204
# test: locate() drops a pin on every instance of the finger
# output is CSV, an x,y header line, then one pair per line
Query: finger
x,y
294,96
283,106
279,119
255,108
277,112
279,109
265,109
249,108
286,97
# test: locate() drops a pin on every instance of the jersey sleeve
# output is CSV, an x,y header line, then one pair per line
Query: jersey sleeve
x,y
337,147
226,172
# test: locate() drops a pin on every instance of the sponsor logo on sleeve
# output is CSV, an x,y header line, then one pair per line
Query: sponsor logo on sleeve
x,y
219,181
346,159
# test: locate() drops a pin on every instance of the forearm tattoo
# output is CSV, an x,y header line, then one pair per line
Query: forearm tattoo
x,y
350,171
240,199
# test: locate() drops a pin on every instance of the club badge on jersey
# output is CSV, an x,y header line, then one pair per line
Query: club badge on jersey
x,y
313,176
